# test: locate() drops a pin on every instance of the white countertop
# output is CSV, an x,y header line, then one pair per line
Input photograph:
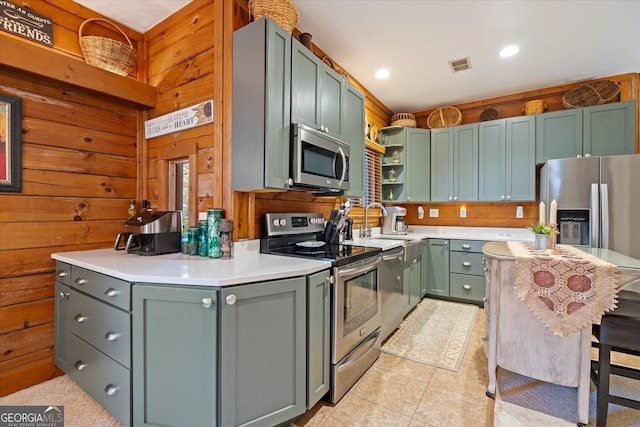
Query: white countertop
x,y
247,266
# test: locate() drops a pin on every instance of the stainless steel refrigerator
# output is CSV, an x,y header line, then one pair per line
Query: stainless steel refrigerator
x,y
598,201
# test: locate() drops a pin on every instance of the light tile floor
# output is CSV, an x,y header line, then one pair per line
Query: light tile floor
x,y
400,392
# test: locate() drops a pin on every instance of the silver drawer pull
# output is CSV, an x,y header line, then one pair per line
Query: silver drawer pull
x,y
111,390
465,246
231,299
466,287
62,273
484,261
207,302
81,281
486,269
414,262
64,295
466,264
111,292
112,336
484,299
80,318
80,366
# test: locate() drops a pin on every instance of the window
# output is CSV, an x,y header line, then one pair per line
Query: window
x,y
372,176
179,191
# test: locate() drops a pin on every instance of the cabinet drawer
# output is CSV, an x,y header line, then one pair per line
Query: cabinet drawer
x,y
103,379
467,245
63,273
107,288
467,287
466,263
102,326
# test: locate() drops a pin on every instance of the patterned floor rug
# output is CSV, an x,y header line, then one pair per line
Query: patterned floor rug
x,y
435,333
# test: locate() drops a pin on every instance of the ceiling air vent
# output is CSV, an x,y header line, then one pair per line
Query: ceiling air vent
x,y
460,64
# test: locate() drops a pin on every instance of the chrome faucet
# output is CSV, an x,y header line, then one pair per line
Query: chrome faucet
x,y
367,227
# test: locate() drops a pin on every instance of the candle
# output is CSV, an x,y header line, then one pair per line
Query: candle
x,y
553,212
542,216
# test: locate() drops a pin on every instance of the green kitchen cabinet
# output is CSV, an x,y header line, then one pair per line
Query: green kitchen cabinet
x,y
405,164
411,283
454,163
62,316
318,336
438,267
261,89
175,356
600,130
507,170
353,134
262,352
609,129
317,92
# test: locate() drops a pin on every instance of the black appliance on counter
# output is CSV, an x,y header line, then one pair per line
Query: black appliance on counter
x,y
355,290
151,233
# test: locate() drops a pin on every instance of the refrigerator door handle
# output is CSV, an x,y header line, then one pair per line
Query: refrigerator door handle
x,y
604,197
595,217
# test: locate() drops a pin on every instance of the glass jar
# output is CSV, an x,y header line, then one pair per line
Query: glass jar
x,y
226,238
395,156
392,175
203,247
192,240
213,222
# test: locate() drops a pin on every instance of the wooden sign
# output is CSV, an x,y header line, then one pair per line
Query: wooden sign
x,y
187,118
24,22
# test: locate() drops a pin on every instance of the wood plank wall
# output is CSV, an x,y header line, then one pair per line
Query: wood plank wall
x,y
79,173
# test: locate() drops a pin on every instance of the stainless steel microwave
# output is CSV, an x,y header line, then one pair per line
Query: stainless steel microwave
x,y
318,160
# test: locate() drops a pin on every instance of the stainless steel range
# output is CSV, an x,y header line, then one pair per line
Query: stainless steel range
x,y
355,292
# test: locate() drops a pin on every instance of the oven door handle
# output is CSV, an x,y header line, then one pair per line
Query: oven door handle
x,y
360,269
362,350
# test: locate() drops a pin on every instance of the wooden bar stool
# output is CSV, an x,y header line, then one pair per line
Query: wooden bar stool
x,y
619,331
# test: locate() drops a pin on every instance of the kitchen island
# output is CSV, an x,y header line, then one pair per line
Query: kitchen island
x,y
518,341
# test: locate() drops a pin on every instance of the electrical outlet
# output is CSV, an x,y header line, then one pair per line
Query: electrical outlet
x,y
519,212
463,212
420,212
434,213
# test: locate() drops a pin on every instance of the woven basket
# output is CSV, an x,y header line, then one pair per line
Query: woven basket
x,y
535,106
404,119
106,53
489,114
594,93
283,12
444,117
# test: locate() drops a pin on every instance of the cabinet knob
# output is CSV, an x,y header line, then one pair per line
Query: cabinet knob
x,y
484,261
80,318
61,273
466,264
445,243
484,299
64,295
80,281
455,197
502,197
231,299
466,246
450,198
508,197
80,365
111,390
483,338
111,336
207,302
466,287
486,269
111,292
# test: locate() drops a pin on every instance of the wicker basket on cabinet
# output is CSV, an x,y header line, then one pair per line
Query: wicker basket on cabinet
x,y
444,117
283,12
404,119
594,93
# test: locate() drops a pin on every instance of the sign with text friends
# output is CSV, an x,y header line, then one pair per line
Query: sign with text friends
x,y
24,22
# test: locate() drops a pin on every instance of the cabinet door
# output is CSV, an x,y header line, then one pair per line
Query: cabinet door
x,y
441,165
558,135
465,163
492,161
62,326
262,352
610,129
174,356
332,92
306,80
318,337
418,160
353,134
438,267
520,157
416,273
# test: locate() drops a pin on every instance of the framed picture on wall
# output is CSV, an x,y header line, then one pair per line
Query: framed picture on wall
x,y
10,143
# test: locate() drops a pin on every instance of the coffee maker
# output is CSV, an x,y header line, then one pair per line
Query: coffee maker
x,y
393,220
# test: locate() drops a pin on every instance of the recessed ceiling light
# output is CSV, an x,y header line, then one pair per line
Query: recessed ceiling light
x,y
509,51
382,74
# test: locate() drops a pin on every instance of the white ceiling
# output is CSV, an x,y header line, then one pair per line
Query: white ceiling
x,y
560,41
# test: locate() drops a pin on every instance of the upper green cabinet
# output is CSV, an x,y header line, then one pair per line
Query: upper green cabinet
x,y
507,170
454,163
607,129
317,92
353,134
261,91
405,164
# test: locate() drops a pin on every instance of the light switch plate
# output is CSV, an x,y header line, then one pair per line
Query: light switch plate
x,y
420,212
519,212
434,213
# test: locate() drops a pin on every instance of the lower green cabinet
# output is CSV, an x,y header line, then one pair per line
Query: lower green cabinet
x,y
174,356
318,337
412,283
438,268
262,353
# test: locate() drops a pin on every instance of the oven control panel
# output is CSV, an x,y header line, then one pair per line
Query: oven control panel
x,y
292,223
